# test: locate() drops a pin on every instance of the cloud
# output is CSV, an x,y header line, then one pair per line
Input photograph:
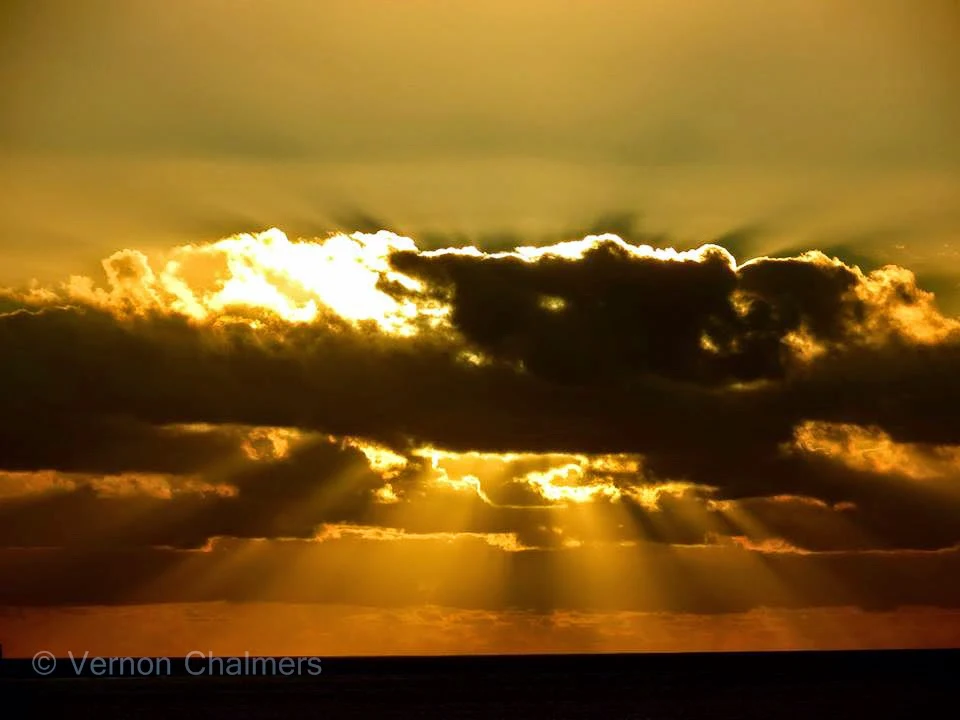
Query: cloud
x,y
287,497
872,450
475,574
674,395
73,440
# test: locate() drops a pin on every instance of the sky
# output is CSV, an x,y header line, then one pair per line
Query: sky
x,y
367,327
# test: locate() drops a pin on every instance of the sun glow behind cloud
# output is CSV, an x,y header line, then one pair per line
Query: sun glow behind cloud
x,y
306,281
261,277
297,281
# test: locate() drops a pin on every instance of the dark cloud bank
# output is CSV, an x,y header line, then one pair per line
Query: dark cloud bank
x,y
704,369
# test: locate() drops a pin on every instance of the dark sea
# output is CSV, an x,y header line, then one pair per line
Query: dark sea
x,y
808,685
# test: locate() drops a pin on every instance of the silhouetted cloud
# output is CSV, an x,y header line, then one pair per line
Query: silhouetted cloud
x,y
587,394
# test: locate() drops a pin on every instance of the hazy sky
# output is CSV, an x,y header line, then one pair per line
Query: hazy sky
x,y
227,386
809,123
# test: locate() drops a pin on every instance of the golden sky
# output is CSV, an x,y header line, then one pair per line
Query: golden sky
x,y
526,326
